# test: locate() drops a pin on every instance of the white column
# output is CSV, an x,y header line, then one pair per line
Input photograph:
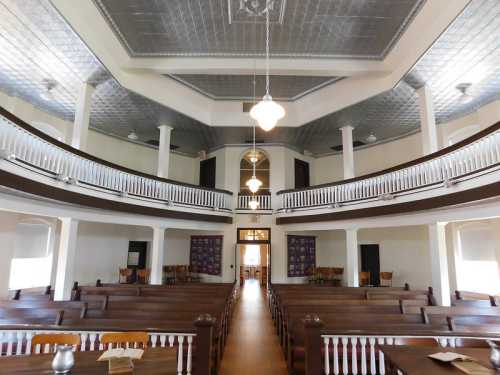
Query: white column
x,y
347,152
157,251
352,256
66,259
439,263
82,117
164,150
427,121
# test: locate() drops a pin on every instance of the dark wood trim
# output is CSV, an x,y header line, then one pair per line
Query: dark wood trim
x,y
16,120
26,185
444,151
471,195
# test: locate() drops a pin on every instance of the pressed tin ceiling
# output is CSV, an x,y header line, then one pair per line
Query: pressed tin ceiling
x,y
234,87
37,44
362,29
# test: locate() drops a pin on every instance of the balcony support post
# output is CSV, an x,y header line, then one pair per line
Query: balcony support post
x,y
66,259
82,117
157,255
439,263
347,152
352,257
427,121
164,151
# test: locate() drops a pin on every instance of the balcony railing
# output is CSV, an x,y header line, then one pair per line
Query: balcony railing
x,y
28,147
263,200
473,155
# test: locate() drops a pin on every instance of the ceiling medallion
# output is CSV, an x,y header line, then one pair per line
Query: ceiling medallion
x,y
256,7
267,112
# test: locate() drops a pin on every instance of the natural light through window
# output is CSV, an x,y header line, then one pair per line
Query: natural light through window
x,y
477,260
252,255
32,262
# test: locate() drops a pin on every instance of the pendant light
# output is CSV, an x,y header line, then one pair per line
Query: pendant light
x,y
253,203
254,183
267,112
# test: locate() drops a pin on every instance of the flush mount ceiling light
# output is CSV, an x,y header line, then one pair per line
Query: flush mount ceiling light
x,y
133,136
267,112
47,94
371,138
466,97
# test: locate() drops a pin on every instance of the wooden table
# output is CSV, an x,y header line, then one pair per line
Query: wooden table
x,y
155,361
413,360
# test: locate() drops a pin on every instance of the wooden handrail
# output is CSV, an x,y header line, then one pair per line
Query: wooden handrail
x,y
16,120
408,164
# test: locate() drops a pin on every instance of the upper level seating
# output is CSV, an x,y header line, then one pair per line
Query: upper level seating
x,y
159,310
351,317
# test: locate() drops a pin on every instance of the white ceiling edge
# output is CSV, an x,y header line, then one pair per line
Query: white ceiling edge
x,y
320,67
432,20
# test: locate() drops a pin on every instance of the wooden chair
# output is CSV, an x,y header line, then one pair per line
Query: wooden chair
x,y
365,278
311,275
338,275
194,275
125,339
386,279
169,272
52,340
143,276
125,274
181,274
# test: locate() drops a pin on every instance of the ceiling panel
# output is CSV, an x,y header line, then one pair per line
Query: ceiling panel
x,y
231,87
37,44
365,29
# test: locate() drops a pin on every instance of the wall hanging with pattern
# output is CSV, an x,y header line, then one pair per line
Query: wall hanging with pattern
x,y
206,254
301,255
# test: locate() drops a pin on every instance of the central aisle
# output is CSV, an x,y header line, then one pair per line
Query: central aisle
x,y
253,346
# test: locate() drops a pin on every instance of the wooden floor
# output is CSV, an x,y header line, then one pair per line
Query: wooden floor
x,y
253,346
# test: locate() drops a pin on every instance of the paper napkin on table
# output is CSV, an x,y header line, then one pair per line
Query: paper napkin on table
x,y
121,353
449,357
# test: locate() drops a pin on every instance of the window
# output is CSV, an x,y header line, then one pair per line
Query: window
x,y
31,265
252,255
477,269
261,171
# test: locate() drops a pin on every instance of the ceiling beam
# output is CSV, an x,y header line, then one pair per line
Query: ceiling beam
x,y
247,66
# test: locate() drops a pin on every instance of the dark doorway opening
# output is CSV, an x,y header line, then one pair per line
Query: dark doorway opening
x,y
207,173
137,255
301,174
370,262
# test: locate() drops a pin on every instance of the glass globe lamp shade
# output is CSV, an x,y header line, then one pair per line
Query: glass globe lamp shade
x,y
267,113
253,204
254,184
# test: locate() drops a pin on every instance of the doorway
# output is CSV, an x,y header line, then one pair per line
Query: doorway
x,y
253,255
301,174
207,173
137,255
370,262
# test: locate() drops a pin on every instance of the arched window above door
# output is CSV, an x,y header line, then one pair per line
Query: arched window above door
x,y
262,169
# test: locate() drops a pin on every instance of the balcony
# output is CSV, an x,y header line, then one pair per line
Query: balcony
x,y
264,203
465,172
36,164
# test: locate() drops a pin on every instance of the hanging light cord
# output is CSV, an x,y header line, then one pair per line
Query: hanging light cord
x,y
254,83
267,47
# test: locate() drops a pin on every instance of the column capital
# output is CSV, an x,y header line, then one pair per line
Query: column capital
x,y
347,127
165,127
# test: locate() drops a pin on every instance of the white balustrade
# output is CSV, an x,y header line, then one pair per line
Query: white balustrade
x,y
263,200
474,157
25,148
18,342
365,356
